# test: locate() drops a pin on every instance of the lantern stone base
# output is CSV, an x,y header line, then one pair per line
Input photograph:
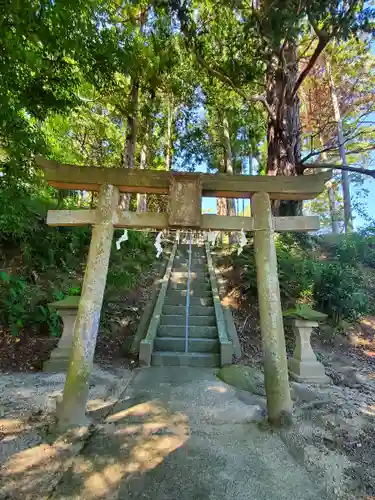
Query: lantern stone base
x,y
303,366
60,356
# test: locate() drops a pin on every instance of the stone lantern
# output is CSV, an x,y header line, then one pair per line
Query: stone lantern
x,y
304,366
67,310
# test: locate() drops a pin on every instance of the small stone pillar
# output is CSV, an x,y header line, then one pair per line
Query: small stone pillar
x,y
303,366
279,403
67,310
72,410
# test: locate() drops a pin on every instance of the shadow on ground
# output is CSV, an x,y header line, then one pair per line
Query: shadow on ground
x,y
177,433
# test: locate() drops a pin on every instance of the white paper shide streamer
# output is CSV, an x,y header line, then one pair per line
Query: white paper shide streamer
x,y
211,237
123,237
242,242
157,245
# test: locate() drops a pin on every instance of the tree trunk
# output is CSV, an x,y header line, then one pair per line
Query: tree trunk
x,y
132,130
131,137
348,218
333,212
142,198
251,172
333,208
283,134
169,141
228,158
222,205
221,208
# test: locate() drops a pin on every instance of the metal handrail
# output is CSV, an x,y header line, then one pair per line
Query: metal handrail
x,y
188,300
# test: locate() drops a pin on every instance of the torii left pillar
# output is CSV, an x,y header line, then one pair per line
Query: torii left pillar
x,y
72,410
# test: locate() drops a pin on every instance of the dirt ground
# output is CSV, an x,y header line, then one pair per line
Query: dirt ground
x,y
29,350
334,430
333,435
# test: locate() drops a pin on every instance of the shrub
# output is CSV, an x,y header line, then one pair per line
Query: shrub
x,y
340,291
331,273
14,302
20,306
352,249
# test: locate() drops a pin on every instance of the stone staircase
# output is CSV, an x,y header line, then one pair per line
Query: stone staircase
x,y
203,339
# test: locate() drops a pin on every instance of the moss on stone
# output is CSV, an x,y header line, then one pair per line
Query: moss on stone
x,y
69,302
247,378
304,312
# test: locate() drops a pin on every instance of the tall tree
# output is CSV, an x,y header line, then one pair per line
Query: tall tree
x,y
340,89
255,47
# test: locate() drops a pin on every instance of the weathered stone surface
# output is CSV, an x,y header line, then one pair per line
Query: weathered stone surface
x,y
303,366
280,187
59,359
304,312
328,468
247,378
185,200
279,403
73,407
226,348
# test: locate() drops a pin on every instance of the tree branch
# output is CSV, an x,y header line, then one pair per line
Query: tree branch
x,y
323,41
336,146
364,171
228,81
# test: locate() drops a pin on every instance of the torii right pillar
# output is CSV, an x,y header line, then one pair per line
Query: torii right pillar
x,y
279,403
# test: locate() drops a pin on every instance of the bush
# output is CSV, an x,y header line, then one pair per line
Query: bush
x,y
23,226
340,291
44,263
14,302
18,307
352,249
329,273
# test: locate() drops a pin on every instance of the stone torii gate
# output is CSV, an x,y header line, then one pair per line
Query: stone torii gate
x,y
185,194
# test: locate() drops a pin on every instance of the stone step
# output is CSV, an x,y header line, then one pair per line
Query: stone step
x,y
196,276
180,268
178,300
194,255
207,360
193,293
203,332
197,288
193,265
180,320
193,310
194,258
175,344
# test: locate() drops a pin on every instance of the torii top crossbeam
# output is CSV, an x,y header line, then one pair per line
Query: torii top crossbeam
x,y
303,187
185,192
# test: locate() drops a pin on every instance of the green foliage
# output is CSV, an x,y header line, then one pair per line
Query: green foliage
x,y
332,274
135,256
68,71
19,307
14,301
352,248
305,312
22,224
50,263
340,291
50,318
